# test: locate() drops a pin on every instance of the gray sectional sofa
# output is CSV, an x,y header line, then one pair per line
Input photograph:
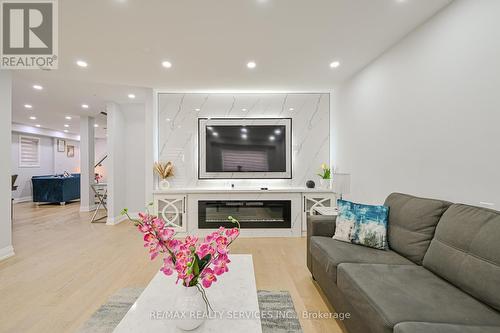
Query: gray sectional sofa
x,y
441,273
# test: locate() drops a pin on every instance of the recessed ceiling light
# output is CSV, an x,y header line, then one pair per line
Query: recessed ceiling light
x,y
28,106
37,125
272,138
66,125
33,118
37,87
210,128
65,131
291,109
244,109
197,109
335,64
96,125
168,119
67,118
215,134
82,63
251,64
166,64
85,106
131,96
277,131
244,136
244,130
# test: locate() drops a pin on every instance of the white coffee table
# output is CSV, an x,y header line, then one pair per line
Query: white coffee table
x,y
234,291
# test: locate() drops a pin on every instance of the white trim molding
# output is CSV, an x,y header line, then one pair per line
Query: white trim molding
x,y
23,199
6,252
87,208
114,220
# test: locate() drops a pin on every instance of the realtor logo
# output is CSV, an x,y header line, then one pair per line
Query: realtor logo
x,y
28,34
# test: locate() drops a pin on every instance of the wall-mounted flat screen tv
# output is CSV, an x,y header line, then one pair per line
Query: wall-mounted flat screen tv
x,y
244,148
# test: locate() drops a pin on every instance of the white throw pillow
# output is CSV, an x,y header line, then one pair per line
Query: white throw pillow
x,y
346,219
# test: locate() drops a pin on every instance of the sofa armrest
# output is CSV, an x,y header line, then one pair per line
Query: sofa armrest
x,y
321,225
318,225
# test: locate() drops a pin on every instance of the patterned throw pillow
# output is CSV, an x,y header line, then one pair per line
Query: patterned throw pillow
x,y
346,219
370,228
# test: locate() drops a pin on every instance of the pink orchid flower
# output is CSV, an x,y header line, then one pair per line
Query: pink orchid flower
x,y
208,277
220,264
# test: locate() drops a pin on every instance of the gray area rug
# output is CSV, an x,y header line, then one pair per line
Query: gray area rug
x,y
275,304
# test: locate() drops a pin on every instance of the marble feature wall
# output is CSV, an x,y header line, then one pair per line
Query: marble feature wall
x,y
178,115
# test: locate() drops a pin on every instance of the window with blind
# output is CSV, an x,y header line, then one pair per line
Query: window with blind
x,y
29,152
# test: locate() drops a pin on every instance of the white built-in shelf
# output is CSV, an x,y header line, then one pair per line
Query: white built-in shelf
x,y
178,190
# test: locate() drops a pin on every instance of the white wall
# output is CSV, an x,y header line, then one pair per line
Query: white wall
x,y
64,163
52,162
101,150
135,162
24,190
117,181
6,249
126,142
424,117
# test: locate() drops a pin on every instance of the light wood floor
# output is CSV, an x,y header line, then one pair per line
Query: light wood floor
x,y
65,268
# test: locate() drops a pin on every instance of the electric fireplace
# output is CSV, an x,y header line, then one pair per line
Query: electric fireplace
x,y
213,214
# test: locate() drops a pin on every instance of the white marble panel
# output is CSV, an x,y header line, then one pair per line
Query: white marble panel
x,y
178,131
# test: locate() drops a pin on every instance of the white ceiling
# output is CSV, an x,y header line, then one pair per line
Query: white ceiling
x,y
209,43
61,98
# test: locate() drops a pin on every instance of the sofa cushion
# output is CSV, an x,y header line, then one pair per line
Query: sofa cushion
x,y
412,222
466,251
389,294
415,327
329,253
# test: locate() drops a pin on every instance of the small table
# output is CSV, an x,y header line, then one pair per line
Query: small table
x,y
101,192
234,292
330,211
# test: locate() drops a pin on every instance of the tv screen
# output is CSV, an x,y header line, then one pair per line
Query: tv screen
x,y
246,148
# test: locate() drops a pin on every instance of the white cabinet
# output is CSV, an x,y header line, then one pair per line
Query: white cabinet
x,y
172,209
313,200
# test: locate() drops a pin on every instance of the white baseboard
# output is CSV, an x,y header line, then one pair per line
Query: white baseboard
x,y
23,199
87,208
6,252
115,220
120,218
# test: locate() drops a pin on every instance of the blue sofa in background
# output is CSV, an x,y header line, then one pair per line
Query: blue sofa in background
x,y
56,188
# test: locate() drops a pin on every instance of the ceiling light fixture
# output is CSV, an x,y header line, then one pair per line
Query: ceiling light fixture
x,y
85,106
244,130
82,63
28,106
243,109
131,96
215,134
37,125
251,64
197,109
166,64
272,138
33,118
66,125
244,136
335,64
277,131
291,109
37,87
68,118
96,125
